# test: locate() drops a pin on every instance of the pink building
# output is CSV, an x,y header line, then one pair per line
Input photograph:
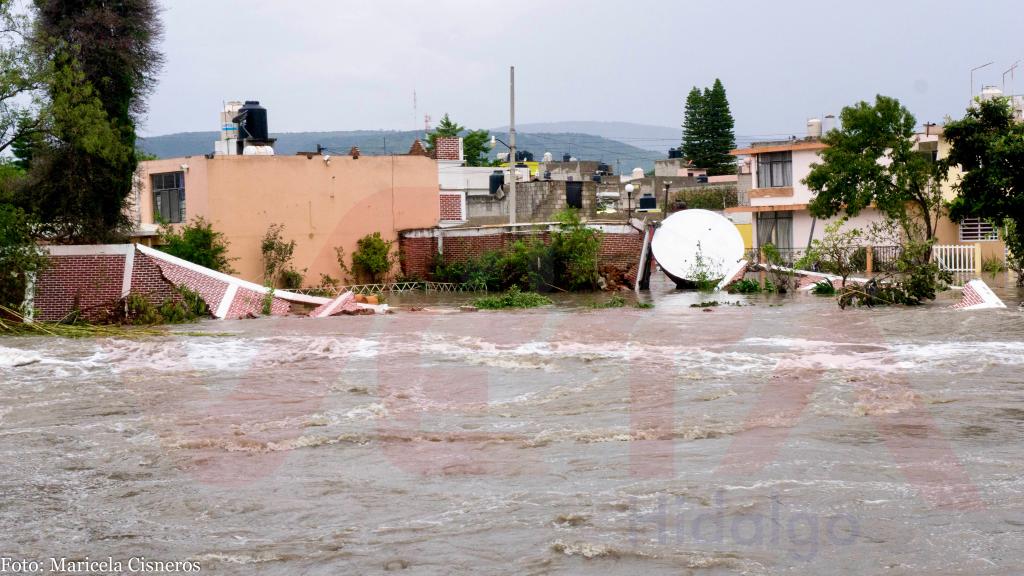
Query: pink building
x,y
324,202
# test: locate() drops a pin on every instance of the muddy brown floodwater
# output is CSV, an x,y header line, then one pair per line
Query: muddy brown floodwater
x,y
783,436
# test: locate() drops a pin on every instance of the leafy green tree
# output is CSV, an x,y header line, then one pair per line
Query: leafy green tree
x,y
198,243
101,60
708,130
871,161
21,78
372,259
988,144
277,254
19,255
475,143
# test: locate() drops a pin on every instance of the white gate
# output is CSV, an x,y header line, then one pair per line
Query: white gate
x,y
955,257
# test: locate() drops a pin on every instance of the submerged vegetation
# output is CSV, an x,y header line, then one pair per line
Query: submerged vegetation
x,y
513,298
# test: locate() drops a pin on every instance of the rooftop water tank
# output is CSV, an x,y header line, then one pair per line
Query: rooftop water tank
x,y
814,128
566,157
496,181
252,121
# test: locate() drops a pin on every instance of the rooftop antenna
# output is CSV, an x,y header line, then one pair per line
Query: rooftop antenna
x,y
1010,72
972,76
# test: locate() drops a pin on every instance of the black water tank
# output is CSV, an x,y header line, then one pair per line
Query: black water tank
x,y
252,120
497,181
524,156
603,168
675,153
566,157
574,194
648,202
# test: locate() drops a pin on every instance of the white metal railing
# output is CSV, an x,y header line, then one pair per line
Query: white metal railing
x,y
955,257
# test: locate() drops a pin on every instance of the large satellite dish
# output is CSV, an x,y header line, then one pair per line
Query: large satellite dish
x,y
692,243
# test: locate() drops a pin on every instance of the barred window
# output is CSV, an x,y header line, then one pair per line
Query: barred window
x,y
775,170
977,230
169,197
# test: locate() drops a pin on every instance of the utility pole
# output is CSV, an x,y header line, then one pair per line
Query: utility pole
x,y
512,146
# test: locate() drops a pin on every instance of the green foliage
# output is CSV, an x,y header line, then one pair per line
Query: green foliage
x,y
645,305
708,197
745,286
823,288
708,130
870,161
138,310
574,250
513,298
704,273
100,61
475,143
277,254
917,279
782,281
372,259
20,80
988,144
19,255
568,262
291,279
267,305
993,265
837,252
706,304
198,243
616,301
1015,250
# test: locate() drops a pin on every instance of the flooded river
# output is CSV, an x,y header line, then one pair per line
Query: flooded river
x,y
781,436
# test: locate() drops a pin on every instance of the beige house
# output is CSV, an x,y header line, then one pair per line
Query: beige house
x,y
324,202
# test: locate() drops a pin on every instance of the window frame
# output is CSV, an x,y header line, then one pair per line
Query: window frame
x,y
169,187
980,230
766,164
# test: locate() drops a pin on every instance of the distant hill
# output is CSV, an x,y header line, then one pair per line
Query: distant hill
x,y
580,145
645,136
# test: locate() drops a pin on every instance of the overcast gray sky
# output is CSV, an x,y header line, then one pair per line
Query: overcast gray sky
x,y
346,65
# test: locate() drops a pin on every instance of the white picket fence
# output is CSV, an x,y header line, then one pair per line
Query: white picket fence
x,y
954,257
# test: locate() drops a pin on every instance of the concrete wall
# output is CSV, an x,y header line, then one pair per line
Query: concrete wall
x,y
322,205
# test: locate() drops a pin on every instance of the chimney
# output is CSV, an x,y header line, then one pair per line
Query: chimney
x,y
448,148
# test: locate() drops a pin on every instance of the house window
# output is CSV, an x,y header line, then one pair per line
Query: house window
x,y
775,228
977,230
775,170
169,197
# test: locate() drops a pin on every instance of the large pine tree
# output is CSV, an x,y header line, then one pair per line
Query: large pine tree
x,y
104,62
694,131
708,130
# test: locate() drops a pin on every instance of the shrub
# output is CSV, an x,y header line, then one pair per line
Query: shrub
x,y
823,288
277,254
198,243
19,255
616,301
267,305
138,310
574,250
704,273
569,262
514,298
372,259
745,286
993,265
291,279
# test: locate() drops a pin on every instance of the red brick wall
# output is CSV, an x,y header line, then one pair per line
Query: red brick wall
x,y
150,282
447,148
91,284
451,207
619,249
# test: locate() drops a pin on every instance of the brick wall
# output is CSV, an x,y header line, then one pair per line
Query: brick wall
x,y
93,283
89,283
447,148
451,206
417,249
